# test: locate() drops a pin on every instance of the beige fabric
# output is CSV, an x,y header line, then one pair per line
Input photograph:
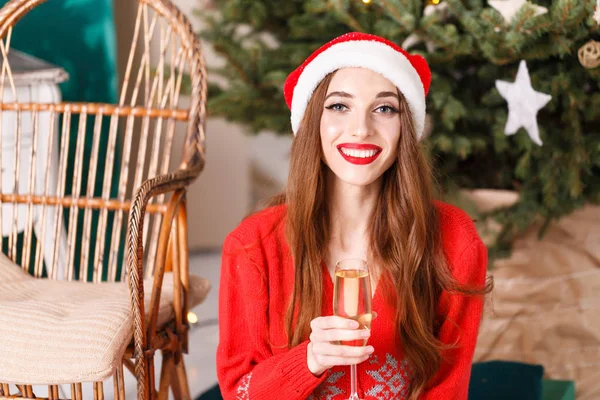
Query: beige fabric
x,y
545,308
54,332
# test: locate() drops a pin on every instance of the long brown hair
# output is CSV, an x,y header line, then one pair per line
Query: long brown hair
x,y
411,260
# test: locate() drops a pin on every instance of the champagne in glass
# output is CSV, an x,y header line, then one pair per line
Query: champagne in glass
x,y
352,299
352,296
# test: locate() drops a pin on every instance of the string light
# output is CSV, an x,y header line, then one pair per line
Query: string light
x,y
192,317
366,1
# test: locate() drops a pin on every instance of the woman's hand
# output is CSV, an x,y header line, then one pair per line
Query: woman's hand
x,y
323,354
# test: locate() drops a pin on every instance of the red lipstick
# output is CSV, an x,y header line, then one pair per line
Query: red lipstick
x,y
356,147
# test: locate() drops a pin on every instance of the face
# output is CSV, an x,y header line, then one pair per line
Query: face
x,y
360,125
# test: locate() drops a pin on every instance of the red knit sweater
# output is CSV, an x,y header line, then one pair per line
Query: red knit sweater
x,y
257,276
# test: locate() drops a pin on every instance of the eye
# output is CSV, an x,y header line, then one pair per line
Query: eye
x,y
386,110
339,107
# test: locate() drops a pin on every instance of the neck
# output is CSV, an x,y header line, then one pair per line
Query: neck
x,y
350,211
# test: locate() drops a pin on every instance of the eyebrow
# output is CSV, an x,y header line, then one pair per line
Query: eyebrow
x,y
388,94
348,95
339,94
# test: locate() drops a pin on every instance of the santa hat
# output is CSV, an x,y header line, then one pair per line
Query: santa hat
x,y
410,73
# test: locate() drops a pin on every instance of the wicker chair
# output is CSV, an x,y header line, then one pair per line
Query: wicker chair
x,y
109,286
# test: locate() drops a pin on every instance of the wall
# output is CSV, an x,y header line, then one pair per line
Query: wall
x,y
221,197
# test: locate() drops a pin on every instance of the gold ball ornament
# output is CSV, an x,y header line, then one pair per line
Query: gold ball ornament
x,y
589,54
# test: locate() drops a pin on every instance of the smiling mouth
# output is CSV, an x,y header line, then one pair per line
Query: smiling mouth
x,y
359,154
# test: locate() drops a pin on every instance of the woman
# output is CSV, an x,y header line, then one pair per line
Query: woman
x,y
358,186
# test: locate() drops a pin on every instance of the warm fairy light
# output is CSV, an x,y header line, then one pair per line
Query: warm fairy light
x,y
366,1
192,317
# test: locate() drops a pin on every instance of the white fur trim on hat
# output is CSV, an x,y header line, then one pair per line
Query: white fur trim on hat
x,y
369,54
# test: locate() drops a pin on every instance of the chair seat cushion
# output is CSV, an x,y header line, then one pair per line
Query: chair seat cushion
x,y
54,332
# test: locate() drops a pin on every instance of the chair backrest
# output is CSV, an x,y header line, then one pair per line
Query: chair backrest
x,y
70,170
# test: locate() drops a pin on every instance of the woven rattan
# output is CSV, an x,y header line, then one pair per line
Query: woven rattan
x,y
121,178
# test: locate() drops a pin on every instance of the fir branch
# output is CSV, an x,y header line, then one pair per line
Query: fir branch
x,y
234,64
538,52
345,16
402,19
486,17
545,226
543,25
580,8
565,13
476,4
318,6
526,15
456,7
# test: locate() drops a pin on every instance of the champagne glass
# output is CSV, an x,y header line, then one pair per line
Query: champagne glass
x,y
352,299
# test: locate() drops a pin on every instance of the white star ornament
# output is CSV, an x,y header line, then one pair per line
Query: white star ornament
x,y
523,104
509,8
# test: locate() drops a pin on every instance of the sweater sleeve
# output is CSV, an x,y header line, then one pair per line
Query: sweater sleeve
x,y
246,366
460,327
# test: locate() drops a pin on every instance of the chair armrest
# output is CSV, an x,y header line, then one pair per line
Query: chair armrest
x,y
134,253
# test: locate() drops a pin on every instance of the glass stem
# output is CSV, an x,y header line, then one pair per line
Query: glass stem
x,y
353,388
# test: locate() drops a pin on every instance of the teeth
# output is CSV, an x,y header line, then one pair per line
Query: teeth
x,y
359,153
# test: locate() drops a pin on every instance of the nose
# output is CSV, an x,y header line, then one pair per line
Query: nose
x,y
362,126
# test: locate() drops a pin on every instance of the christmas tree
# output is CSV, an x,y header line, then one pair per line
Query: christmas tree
x,y
514,101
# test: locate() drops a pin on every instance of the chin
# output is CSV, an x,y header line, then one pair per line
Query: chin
x,y
356,180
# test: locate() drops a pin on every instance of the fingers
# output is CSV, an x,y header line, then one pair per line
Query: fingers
x,y
329,354
338,335
336,329
326,332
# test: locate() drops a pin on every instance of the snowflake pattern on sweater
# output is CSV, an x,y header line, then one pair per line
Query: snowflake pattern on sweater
x,y
393,381
242,390
328,389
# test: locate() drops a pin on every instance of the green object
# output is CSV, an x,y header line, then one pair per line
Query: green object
x,y
501,380
558,390
469,46
79,36
214,393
